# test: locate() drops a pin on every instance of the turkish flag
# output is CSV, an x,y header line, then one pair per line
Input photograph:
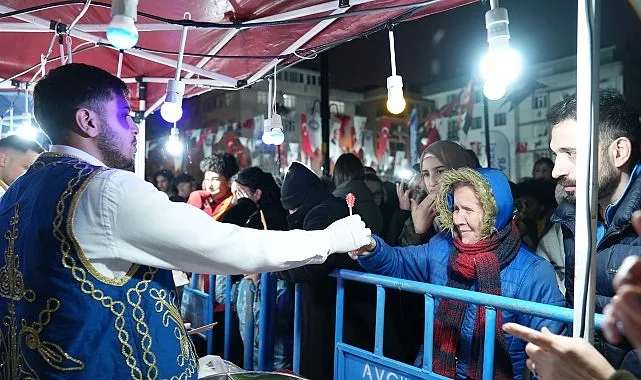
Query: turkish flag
x,y
305,141
383,138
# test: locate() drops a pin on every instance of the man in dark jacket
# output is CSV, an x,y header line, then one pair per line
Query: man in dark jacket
x,y
312,207
619,194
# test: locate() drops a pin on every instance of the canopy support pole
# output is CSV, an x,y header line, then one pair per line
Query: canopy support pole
x,y
324,111
587,111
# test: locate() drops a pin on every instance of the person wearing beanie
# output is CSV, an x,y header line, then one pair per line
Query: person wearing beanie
x,y
215,198
300,185
312,207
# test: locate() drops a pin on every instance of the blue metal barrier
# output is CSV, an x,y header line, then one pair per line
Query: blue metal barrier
x,y
198,308
227,342
352,362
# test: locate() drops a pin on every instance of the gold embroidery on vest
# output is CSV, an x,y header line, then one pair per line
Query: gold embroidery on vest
x,y
117,308
134,298
51,353
81,253
12,287
134,295
12,361
171,313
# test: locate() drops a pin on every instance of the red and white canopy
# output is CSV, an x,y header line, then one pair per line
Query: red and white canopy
x,y
250,37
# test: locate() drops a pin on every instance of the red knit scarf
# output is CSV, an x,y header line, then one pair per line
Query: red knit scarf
x,y
481,262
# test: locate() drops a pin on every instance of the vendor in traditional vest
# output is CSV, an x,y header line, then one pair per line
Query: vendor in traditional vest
x,y
86,290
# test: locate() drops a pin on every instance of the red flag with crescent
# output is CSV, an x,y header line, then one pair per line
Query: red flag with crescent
x,y
383,138
305,141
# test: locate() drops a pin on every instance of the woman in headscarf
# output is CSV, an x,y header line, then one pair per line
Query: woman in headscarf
x,y
479,249
436,159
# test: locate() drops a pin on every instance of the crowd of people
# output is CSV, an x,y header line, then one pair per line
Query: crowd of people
x,y
459,225
95,258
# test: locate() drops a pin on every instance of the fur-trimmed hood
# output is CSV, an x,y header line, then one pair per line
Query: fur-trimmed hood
x,y
493,190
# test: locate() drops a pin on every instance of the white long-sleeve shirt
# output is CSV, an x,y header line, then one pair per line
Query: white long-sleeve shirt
x,y
121,219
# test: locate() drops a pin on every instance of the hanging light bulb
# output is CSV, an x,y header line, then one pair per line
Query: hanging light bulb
x,y
267,138
172,109
122,31
26,130
501,66
273,130
494,89
395,101
277,136
174,144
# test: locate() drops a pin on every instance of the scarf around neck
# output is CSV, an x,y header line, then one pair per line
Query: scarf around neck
x,y
480,262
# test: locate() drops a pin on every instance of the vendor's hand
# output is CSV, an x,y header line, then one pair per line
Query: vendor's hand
x,y
554,356
403,197
423,213
365,250
254,277
623,314
348,234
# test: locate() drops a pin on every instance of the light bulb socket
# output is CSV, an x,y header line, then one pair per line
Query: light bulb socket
x,y
271,125
394,86
175,91
128,8
274,122
497,25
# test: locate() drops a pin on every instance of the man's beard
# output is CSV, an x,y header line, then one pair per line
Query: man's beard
x,y
112,157
564,182
607,180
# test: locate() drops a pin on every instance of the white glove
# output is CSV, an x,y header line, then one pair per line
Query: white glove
x,y
348,234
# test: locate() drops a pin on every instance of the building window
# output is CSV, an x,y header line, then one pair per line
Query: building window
x,y
229,99
500,119
451,98
262,97
478,96
477,123
339,107
452,129
539,101
289,126
289,101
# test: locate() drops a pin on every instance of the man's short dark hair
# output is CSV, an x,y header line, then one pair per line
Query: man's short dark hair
x,y
617,118
184,178
222,163
65,89
20,144
544,161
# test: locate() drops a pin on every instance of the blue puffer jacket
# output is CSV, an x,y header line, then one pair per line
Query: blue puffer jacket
x,y
527,277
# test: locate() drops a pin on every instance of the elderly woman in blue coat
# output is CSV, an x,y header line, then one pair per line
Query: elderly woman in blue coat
x,y
480,250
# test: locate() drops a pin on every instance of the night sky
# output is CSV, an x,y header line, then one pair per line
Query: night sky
x,y
448,45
